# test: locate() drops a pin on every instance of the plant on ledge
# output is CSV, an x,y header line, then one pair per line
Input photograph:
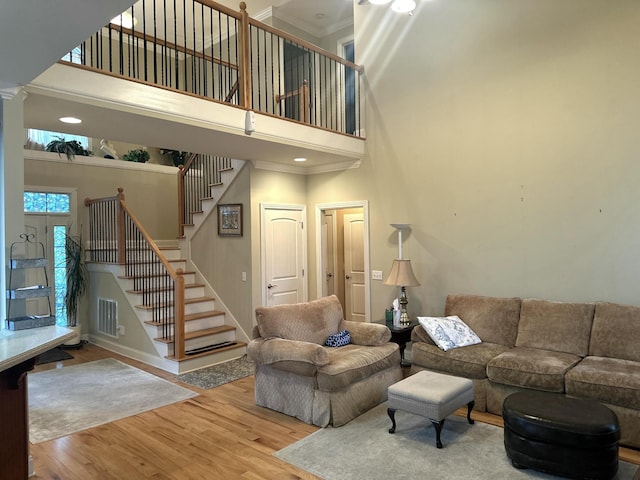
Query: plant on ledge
x,y
70,148
178,157
138,155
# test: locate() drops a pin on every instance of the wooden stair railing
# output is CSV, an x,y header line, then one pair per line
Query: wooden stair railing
x,y
117,236
195,180
303,97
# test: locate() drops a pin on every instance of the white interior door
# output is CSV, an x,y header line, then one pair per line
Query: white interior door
x,y
354,267
284,254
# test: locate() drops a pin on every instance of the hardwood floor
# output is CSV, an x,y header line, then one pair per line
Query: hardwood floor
x,y
220,434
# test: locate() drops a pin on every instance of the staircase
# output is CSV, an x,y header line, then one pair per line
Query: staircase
x,y
164,288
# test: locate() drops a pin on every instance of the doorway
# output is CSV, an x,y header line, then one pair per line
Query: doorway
x,y
343,256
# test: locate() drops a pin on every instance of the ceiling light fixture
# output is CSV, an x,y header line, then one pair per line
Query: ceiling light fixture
x,y
403,6
398,6
300,159
70,120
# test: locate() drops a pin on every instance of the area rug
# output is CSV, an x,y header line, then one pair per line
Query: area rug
x,y
220,374
364,449
56,354
69,399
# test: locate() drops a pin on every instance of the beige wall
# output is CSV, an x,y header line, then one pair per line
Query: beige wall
x,y
135,337
223,259
151,194
505,132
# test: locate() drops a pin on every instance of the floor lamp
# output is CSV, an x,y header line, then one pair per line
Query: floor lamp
x,y
401,275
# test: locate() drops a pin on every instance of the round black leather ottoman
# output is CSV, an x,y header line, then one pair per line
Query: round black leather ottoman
x,y
554,433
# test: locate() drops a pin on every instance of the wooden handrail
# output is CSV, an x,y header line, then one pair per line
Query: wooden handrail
x,y
170,45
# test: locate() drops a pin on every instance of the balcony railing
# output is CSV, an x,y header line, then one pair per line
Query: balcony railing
x,y
202,48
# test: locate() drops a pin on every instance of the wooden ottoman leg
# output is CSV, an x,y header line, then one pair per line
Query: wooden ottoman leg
x,y
469,408
438,426
392,415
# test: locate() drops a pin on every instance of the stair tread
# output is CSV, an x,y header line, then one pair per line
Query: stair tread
x,y
190,317
164,289
199,333
133,277
187,301
204,354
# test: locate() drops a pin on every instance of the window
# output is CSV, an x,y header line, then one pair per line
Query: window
x,y
43,137
60,272
44,202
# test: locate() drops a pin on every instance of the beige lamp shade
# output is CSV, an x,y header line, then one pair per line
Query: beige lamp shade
x,y
401,275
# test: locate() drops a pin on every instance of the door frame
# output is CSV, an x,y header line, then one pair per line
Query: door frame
x,y
263,247
364,204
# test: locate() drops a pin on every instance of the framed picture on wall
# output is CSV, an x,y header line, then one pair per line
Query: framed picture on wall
x,y
230,220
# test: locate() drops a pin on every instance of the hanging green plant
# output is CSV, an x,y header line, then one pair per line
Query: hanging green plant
x,y
138,155
70,148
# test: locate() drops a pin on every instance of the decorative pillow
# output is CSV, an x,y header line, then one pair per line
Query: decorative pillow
x,y
449,332
340,339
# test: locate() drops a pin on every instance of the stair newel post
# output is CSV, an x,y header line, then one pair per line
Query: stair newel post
x,y
178,327
245,58
181,202
120,229
305,102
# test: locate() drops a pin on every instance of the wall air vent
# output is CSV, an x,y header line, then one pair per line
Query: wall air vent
x,y
108,317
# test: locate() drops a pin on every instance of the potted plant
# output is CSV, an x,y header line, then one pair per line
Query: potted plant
x,y
70,148
178,157
137,155
76,279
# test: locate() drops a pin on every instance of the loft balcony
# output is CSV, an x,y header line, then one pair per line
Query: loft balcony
x,y
203,78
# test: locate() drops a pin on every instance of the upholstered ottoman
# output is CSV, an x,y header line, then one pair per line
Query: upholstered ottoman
x,y
562,435
432,395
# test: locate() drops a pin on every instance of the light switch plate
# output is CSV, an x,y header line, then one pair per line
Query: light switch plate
x,y
376,274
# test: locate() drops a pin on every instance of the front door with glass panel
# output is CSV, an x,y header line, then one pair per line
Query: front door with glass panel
x,y
48,217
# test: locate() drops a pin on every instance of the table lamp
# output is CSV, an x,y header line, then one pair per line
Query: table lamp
x,y
401,275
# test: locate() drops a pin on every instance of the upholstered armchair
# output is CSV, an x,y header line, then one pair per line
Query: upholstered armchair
x,y
297,374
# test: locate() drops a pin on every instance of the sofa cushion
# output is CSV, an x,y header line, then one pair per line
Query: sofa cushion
x,y
558,326
470,362
495,320
608,380
531,368
352,363
449,332
615,331
306,322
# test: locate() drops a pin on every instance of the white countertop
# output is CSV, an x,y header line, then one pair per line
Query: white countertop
x,y
21,345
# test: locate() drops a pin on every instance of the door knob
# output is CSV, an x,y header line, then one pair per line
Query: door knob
x,y
347,277
329,275
270,286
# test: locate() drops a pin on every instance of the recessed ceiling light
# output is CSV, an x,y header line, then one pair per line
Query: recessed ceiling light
x,y
70,120
300,159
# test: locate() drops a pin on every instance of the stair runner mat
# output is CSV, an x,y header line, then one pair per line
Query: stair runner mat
x,y
209,347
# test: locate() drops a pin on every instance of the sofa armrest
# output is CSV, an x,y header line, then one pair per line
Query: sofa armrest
x,y
363,333
267,351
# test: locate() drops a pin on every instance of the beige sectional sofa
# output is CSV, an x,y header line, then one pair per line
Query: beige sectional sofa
x,y
589,350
